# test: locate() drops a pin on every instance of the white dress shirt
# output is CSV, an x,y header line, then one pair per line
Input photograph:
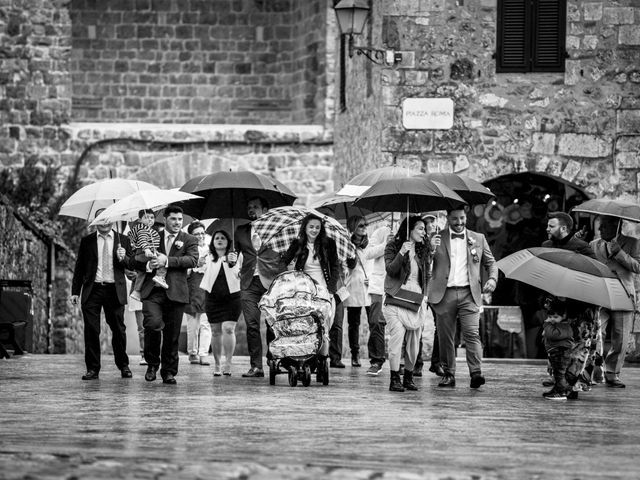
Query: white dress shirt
x,y
459,273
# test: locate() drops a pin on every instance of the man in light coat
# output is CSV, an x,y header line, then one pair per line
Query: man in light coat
x,y
622,255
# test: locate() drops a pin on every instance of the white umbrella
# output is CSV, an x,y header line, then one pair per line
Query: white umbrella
x,y
127,208
86,201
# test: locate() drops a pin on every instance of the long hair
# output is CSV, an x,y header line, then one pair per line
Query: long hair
x,y
320,241
212,249
401,234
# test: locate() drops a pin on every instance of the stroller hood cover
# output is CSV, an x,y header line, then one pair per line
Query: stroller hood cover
x,y
294,307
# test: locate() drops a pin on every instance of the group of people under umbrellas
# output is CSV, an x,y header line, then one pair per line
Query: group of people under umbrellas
x,y
425,272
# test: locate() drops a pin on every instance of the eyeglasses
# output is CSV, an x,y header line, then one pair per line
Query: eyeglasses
x,y
200,234
362,225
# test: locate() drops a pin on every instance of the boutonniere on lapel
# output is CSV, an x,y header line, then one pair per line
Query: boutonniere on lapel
x,y
178,244
472,249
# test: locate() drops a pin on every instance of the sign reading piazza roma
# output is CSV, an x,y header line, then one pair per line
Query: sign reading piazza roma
x,y
427,113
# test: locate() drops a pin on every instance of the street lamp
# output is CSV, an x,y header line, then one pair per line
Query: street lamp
x,y
352,16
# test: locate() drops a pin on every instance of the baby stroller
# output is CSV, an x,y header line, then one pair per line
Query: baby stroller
x,y
297,311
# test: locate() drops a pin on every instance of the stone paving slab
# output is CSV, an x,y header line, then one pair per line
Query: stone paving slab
x,y
55,426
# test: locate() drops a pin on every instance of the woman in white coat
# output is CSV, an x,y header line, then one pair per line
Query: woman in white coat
x,y
222,281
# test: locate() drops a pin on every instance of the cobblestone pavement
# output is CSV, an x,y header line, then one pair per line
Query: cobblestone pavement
x,y
55,426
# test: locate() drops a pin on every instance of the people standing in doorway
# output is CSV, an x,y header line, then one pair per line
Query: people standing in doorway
x,y
99,284
198,328
223,306
260,265
622,255
455,292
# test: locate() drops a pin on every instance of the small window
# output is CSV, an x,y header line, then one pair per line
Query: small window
x,y
531,35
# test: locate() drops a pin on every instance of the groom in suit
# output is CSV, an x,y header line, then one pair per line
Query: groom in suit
x,y
163,308
99,284
455,293
260,266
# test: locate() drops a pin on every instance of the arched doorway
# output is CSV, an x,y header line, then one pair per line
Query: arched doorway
x,y
517,219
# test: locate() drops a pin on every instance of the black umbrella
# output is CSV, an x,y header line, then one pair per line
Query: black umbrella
x,y
226,194
471,191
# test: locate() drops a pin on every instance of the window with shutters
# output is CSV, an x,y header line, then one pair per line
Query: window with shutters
x,y
531,35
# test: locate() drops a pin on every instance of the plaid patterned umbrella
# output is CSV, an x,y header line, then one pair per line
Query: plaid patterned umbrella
x,y
279,226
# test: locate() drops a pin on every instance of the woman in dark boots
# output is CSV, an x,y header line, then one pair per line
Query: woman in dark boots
x,y
406,260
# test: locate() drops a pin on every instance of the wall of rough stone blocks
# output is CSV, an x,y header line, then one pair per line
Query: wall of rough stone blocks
x,y
35,85
198,61
582,125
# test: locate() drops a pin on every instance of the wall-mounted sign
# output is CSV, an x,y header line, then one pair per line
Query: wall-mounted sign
x,y
427,113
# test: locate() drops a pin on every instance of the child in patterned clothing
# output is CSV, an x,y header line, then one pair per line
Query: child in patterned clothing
x,y
558,341
145,242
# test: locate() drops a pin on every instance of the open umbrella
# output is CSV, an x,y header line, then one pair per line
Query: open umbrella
x,y
279,226
226,194
85,202
127,208
567,274
613,208
341,207
471,191
355,186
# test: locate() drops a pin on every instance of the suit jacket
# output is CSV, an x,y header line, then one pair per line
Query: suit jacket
x,y
442,266
269,265
625,264
179,260
84,274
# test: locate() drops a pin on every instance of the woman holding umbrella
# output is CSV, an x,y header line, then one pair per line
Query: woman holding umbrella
x,y
406,259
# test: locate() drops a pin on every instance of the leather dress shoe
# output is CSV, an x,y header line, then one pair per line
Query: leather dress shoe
x,y
125,372
169,379
90,375
150,376
336,364
477,380
615,383
254,372
437,369
447,381
355,361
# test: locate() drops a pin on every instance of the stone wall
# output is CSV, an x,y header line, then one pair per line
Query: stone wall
x,y
35,85
198,61
581,125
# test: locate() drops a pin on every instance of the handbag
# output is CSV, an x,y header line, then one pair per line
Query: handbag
x,y
405,299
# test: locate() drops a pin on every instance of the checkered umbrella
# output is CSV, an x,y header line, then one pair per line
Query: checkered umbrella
x,y
279,226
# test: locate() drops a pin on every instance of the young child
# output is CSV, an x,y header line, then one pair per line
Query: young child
x,y
558,340
145,242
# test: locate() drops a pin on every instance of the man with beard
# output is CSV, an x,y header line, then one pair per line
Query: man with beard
x,y
259,267
560,233
455,292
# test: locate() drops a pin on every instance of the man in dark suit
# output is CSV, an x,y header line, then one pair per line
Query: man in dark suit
x,y
259,267
99,284
163,308
455,292
560,233
622,255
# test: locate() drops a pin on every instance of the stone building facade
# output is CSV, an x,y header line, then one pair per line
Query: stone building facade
x,y
581,125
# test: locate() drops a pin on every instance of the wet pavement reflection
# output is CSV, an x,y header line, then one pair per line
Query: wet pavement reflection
x,y
54,425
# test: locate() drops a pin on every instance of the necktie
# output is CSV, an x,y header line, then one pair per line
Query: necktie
x,y
255,241
457,235
169,243
107,261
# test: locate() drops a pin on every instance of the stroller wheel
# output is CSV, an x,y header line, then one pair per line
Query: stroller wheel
x,y
293,376
273,370
306,380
